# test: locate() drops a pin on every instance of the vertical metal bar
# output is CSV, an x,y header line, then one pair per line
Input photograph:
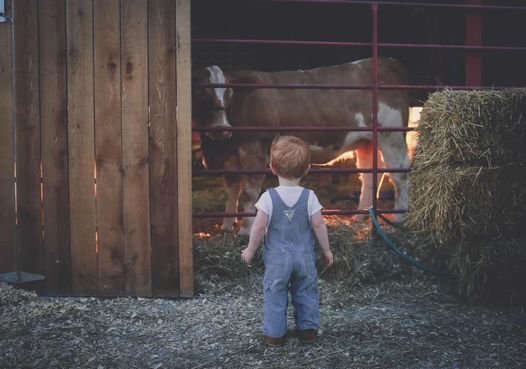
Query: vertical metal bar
x,y
374,77
473,38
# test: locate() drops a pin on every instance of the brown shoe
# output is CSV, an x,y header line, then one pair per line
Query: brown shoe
x,y
307,335
275,342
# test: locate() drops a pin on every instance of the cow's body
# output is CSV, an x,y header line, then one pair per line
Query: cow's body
x,y
301,107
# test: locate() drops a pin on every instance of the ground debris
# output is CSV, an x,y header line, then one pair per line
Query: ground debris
x,y
385,316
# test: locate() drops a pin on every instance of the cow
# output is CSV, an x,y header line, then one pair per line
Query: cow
x,y
225,107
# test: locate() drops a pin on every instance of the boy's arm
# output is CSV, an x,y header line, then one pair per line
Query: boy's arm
x,y
258,230
320,230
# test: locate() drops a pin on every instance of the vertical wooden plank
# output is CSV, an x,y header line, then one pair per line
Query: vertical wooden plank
x,y
79,19
7,160
163,154
27,120
184,134
53,99
134,69
108,146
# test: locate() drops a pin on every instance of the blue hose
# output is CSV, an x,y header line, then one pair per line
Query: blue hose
x,y
398,251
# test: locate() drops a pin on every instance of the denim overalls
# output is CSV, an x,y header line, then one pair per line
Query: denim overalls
x,y
290,263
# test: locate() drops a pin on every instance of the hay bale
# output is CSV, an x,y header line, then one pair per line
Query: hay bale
x,y
472,128
468,190
458,203
490,270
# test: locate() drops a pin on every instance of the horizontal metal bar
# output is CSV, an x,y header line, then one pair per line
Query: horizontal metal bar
x,y
314,170
402,3
308,86
305,86
356,44
279,42
450,46
302,129
220,214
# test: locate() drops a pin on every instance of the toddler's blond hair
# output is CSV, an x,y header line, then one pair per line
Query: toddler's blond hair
x,y
290,157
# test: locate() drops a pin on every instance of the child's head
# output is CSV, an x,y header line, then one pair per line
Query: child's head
x,y
290,157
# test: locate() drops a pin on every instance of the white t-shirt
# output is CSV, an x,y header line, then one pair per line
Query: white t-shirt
x,y
290,195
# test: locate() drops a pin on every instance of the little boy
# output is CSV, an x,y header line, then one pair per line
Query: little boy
x,y
288,215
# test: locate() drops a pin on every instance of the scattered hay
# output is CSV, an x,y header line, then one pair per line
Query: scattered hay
x,y
456,203
9,295
398,323
472,128
218,259
358,259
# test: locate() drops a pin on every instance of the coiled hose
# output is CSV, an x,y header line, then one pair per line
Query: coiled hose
x,y
403,254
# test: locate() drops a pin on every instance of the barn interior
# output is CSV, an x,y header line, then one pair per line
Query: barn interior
x,y
216,23
351,22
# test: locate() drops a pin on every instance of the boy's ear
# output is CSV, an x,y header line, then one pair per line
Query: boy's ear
x,y
272,169
306,170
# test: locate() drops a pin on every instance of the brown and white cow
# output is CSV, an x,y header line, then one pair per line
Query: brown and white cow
x,y
227,107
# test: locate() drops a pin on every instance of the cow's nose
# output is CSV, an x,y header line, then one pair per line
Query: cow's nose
x,y
219,135
226,134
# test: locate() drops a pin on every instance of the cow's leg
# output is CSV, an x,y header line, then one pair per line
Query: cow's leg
x,y
364,159
232,185
249,194
252,156
394,149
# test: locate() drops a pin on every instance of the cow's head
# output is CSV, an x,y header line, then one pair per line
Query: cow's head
x,y
210,104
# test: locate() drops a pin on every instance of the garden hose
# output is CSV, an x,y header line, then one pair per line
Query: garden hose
x,y
398,251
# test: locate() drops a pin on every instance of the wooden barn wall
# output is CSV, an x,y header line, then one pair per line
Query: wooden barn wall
x,y
95,94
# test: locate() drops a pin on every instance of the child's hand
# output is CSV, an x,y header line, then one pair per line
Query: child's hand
x,y
329,259
247,255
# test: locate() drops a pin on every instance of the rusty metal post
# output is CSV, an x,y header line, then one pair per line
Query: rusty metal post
x,y
374,80
473,38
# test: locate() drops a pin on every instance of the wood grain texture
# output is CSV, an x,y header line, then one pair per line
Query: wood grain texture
x,y
108,147
7,160
27,120
135,156
163,149
81,143
54,139
184,154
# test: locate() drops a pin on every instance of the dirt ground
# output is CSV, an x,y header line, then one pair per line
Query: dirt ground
x,y
381,315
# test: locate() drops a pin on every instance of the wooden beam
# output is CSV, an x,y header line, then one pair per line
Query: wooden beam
x,y
27,118
135,156
54,136
184,152
108,147
7,160
163,148
81,142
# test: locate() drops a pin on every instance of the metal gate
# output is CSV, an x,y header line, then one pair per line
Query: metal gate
x,y
473,10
